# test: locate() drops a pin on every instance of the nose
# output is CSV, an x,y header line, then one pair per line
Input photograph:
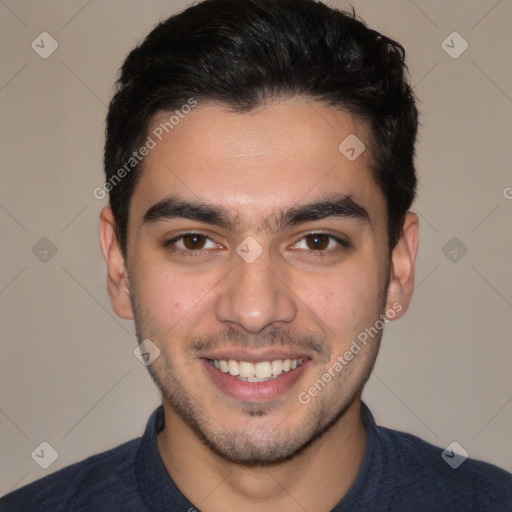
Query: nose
x,y
255,295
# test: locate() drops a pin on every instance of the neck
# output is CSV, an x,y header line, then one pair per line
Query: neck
x,y
317,479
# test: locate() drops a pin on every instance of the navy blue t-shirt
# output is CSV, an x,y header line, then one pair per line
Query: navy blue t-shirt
x,y
400,472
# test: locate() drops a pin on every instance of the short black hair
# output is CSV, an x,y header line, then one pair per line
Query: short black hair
x,y
245,54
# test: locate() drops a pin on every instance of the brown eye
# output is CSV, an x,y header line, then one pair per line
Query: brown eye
x,y
191,244
321,244
317,242
194,242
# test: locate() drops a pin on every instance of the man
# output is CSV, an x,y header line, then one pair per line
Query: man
x,y
259,160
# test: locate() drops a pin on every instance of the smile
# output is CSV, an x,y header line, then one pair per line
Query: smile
x,y
258,380
255,372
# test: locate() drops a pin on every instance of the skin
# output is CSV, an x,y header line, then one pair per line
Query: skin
x,y
222,452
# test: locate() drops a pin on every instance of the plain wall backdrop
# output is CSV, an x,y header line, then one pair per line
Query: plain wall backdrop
x,y
68,375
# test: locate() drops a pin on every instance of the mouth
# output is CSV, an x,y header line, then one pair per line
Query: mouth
x,y
255,381
262,371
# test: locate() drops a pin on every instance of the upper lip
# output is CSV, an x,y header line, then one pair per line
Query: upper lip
x,y
254,356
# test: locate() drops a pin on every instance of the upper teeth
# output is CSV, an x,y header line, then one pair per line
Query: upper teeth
x,y
262,370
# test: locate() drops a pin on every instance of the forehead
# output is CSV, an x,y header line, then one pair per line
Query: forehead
x,y
257,163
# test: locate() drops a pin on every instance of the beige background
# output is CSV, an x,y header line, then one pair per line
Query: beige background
x,y
68,375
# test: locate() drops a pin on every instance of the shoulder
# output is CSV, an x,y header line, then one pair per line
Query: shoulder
x,y
74,487
445,480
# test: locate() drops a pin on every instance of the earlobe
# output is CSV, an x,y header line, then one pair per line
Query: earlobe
x,y
118,285
403,258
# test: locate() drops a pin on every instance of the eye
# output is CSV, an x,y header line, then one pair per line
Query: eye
x,y
321,242
191,242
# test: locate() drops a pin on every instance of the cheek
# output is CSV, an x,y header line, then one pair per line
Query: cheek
x,y
346,301
168,299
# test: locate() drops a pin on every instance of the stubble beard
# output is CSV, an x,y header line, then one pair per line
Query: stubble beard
x,y
255,447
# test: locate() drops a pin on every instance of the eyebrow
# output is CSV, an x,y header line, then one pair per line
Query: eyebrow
x,y
333,206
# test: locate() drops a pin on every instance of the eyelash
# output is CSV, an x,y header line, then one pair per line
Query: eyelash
x,y
169,244
342,244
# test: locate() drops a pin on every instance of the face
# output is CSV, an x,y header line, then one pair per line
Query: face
x,y
257,259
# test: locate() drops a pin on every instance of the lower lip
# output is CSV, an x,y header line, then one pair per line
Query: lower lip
x,y
254,391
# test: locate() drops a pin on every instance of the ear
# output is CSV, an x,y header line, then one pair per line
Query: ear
x,y
403,258
118,285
